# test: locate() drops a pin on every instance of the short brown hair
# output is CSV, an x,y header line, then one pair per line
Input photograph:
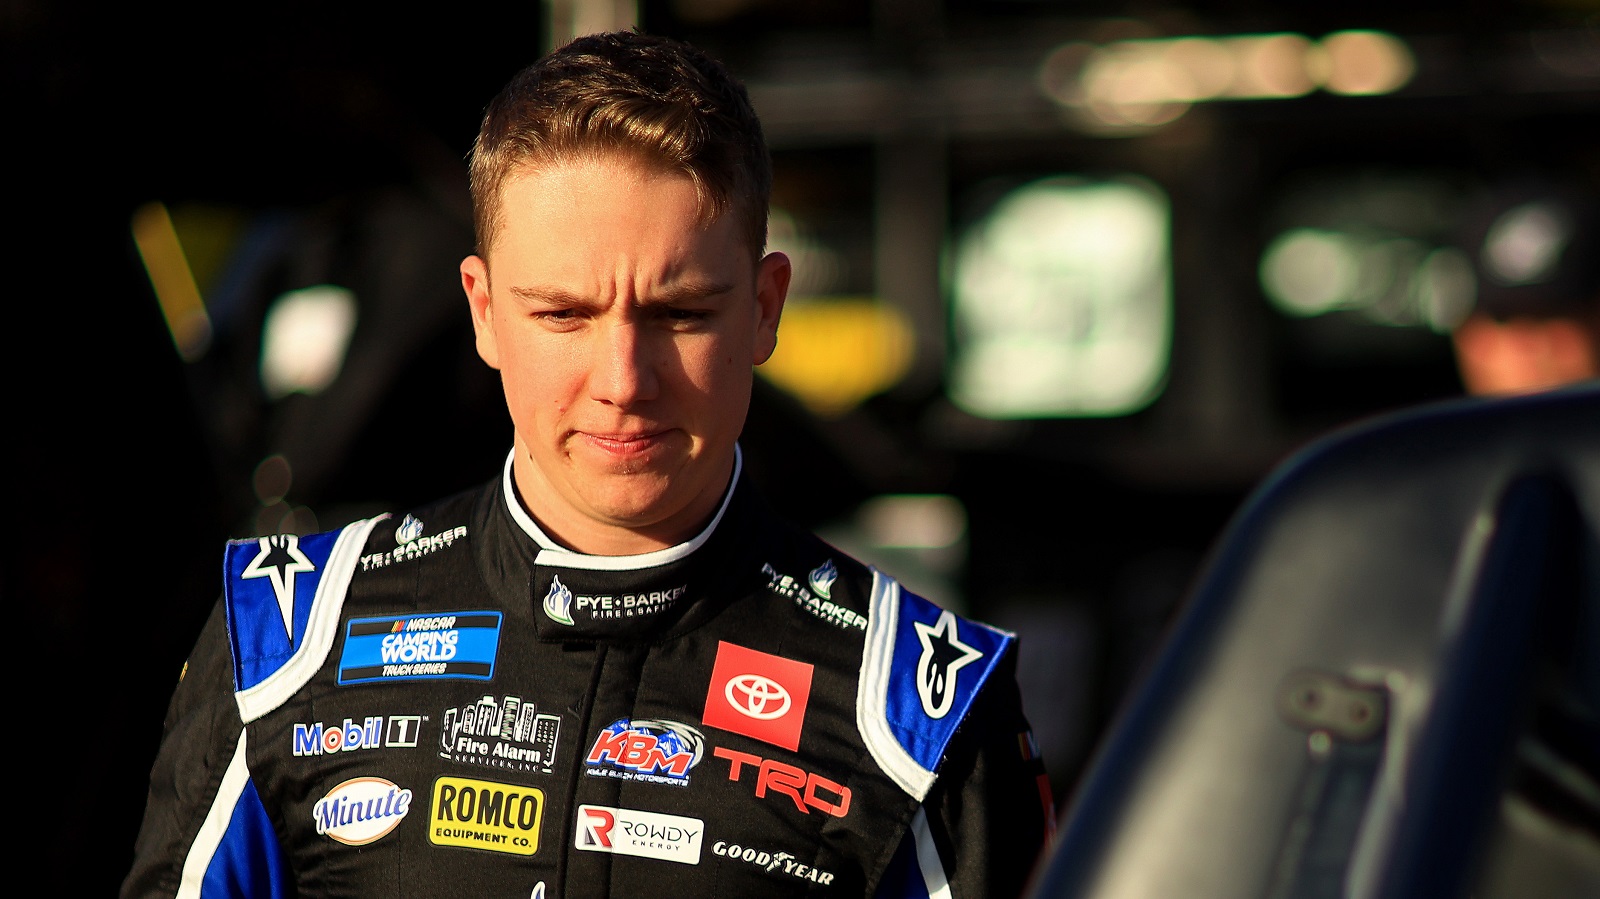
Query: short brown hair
x,y
658,99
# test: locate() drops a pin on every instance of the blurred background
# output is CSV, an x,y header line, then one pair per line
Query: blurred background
x,y
1071,277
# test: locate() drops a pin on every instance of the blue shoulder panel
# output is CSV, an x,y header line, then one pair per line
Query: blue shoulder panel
x,y
940,662
269,583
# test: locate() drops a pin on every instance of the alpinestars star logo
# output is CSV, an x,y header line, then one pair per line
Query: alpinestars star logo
x,y
943,654
280,559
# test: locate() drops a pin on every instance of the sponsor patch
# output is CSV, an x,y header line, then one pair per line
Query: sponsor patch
x,y
822,577
631,831
808,791
400,732
411,544
563,606
558,602
361,810
501,733
646,749
772,862
279,559
943,655
813,595
936,664
409,529
758,695
484,814
269,586
409,647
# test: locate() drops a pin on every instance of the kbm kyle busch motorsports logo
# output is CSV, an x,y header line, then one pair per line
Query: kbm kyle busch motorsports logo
x,y
505,733
650,749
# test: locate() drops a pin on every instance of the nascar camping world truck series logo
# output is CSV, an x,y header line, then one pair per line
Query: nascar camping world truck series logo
x,y
408,647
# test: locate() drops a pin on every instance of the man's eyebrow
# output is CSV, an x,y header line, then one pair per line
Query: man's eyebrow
x,y
679,293
551,296
686,293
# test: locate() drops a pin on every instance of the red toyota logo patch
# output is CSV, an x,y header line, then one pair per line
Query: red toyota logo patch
x,y
758,694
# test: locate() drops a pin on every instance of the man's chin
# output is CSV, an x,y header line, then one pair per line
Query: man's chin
x,y
632,500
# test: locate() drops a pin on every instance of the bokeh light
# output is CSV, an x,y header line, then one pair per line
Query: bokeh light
x,y
304,339
1062,301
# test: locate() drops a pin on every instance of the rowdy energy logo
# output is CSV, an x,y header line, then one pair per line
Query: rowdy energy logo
x,y
406,647
646,749
314,739
482,814
629,831
758,694
814,598
361,810
506,733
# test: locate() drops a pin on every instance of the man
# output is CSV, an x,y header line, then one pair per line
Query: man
x,y
612,670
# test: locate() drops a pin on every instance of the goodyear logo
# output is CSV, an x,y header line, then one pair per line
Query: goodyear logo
x,y
484,814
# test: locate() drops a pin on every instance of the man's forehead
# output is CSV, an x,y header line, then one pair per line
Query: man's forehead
x,y
567,225
598,167
593,199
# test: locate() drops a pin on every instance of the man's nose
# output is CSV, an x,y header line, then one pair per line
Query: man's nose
x,y
623,370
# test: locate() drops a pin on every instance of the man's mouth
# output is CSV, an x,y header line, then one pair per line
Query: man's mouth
x,y
623,444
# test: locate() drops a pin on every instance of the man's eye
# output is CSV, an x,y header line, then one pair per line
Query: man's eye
x,y
686,316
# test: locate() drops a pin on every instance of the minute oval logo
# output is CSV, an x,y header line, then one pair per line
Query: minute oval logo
x,y
750,694
361,810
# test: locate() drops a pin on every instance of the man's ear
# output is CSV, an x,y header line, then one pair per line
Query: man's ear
x,y
475,282
772,288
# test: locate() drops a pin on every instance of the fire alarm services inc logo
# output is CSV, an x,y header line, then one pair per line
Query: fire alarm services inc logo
x,y
758,695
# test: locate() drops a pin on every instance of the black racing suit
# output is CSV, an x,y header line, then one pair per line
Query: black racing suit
x,y
448,703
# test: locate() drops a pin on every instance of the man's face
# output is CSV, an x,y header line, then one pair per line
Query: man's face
x,y
624,330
